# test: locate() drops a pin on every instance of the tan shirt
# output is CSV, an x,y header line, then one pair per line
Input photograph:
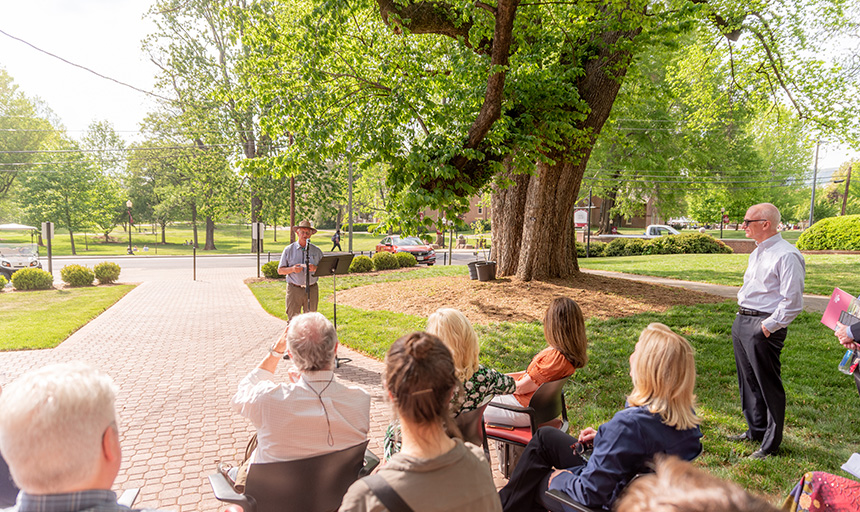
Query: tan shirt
x,y
458,480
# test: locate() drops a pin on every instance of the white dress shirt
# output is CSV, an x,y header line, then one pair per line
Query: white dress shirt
x,y
773,282
290,420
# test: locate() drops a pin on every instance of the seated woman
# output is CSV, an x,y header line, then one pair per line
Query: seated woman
x,y
659,418
432,472
564,331
478,384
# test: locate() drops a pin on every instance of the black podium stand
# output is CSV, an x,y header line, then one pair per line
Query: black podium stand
x,y
332,265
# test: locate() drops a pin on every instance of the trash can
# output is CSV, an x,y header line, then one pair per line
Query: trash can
x,y
486,270
473,271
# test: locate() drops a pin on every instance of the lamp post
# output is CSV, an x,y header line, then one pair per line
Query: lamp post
x,y
722,216
128,205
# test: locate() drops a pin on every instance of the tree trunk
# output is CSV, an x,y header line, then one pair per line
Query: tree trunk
x,y
72,238
210,234
606,220
163,232
194,223
548,239
508,207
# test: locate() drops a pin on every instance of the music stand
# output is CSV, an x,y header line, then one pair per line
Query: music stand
x,y
332,265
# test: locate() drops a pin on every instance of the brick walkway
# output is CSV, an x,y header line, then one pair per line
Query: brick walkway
x,y
177,348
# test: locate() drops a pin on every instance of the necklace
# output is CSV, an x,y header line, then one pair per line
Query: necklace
x,y
330,438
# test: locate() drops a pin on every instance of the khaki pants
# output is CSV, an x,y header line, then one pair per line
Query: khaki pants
x,y
297,299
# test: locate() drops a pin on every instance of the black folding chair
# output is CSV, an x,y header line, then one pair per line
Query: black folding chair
x,y
315,484
471,425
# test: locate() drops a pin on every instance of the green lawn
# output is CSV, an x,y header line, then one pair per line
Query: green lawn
x,y
819,397
229,239
823,271
43,319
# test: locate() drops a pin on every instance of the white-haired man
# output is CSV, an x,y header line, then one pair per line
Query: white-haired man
x,y
770,298
58,432
312,413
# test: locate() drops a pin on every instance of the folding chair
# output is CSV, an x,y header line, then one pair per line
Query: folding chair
x,y
315,484
546,408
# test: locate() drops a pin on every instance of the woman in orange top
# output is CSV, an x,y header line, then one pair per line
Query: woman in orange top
x,y
564,330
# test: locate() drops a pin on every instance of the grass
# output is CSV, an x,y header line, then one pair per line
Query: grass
x,y
820,399
43,319
823,271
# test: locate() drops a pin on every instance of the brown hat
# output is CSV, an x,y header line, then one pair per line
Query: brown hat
x,y
305,224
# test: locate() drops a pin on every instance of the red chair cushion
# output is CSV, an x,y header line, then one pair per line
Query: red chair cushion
x,y
519,435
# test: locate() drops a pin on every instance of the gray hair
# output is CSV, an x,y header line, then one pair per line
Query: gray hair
x,y
52,425
312,340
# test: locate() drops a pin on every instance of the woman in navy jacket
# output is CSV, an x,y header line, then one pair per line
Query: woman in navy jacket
x,y
659,418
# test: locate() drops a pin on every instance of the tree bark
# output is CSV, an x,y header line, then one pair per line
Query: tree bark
x,y
72,238
210,234
508,207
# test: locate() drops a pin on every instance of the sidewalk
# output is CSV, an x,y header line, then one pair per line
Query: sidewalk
x,y
811,303
177,349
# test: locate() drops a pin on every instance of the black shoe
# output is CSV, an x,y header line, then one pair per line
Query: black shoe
x,y
739,437
759,455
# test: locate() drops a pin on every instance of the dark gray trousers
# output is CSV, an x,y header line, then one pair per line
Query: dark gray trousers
x,y
759,380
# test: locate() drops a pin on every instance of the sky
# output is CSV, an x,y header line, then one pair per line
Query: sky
x,y
105,36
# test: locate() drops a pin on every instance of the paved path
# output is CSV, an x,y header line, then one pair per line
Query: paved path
x,y
177,349
811,303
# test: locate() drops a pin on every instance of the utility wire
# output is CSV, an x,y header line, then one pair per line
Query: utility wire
x,y
148,93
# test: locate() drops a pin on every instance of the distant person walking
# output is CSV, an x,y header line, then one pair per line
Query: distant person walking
x,y
335,240
770,298
302,289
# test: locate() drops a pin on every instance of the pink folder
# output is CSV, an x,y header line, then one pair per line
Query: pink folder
x,y
839,302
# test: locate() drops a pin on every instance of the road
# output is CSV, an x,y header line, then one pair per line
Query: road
x,y
137,267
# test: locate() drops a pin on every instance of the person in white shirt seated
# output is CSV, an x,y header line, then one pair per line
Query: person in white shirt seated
x,y
311,413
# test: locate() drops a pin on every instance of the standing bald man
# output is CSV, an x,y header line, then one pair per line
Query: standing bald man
x,y
771,297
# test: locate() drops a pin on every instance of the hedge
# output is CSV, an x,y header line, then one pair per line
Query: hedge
x,y
107,272
270,270
361,264
687,243
32,279
832,234
359,226
405,259
384,261
77,275
3,282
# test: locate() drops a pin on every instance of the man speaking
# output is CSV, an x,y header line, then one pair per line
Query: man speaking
x,y
298,260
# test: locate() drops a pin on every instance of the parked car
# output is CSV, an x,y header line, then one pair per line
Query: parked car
x,y
412,244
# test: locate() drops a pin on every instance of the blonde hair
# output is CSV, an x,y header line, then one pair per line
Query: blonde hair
x,y
678,486
663,371
564,330
455,331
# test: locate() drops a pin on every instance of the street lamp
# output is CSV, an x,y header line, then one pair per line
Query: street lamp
x,y
128,205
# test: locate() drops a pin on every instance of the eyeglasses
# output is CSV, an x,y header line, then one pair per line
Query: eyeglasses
x,y
747,222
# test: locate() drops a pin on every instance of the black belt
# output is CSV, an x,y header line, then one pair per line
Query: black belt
x,y
751,312
300,286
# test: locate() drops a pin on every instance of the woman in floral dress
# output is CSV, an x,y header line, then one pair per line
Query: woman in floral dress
x,y
479,384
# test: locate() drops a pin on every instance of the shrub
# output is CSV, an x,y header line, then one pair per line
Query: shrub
x,y
106,272
700,243
3,282
358,226
595,249
361,264
664,245
405,259
32,279
635,247
77,275
617,247
270,270
832,234
385,261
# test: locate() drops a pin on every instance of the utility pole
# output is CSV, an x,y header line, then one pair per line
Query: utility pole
x,y
814,180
